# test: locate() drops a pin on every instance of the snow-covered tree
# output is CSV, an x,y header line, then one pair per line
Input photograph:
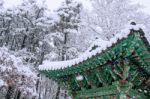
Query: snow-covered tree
x,y
25,26
1,3
69,14
69,23
109,17
23,30
18,78
35,22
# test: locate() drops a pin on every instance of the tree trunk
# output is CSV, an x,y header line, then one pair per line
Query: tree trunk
x,y
19,95
58,92
66,38
23,42
41,58
9,92
64,46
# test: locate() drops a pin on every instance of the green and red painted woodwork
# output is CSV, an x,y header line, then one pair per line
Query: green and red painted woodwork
x,y
120,72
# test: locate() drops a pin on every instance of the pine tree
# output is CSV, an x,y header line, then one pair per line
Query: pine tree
x,y
69,23
68,26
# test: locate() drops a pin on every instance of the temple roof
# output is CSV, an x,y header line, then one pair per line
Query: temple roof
x,y
101,45
121,63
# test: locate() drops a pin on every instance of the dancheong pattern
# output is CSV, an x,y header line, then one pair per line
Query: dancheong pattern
x,y
122,71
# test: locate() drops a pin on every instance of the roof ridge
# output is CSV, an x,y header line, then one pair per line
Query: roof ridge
x,y
56,65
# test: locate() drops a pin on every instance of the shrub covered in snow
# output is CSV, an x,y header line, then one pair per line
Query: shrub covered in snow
x,y
13,73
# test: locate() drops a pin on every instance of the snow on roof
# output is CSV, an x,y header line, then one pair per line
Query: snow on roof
x,y
102,45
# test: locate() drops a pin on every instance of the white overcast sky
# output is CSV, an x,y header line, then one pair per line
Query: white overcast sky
x,y
53,4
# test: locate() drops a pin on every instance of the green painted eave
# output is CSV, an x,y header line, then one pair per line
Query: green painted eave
x,y
115,89
135,42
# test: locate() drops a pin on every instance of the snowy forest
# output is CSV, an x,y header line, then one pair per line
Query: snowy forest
x,y
30,33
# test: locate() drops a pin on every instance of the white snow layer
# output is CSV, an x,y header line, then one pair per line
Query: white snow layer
x,y
2,83
16,63
102,45
79,77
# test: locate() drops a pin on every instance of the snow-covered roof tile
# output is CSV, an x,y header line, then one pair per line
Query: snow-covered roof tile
x,y
102,45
